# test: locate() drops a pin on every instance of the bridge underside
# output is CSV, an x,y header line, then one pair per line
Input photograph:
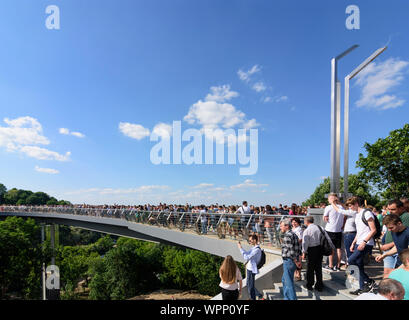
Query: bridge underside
x,y
138,231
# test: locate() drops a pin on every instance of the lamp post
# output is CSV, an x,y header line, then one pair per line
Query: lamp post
x,y
346,112
335,122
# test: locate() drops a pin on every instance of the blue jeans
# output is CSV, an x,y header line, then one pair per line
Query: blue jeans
x,y
288,279
204,227
348,239
251,285
357,258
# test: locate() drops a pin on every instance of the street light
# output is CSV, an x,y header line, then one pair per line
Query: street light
x,y
335,121
346,112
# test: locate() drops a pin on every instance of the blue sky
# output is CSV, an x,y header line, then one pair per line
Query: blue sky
x,y
64,93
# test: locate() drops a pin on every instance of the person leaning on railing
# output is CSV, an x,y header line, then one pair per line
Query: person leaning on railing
x,y
269,223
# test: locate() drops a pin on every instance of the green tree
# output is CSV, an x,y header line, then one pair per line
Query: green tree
x,y
356,185
3,191
13,196
130,268
386,164
21,256
191,270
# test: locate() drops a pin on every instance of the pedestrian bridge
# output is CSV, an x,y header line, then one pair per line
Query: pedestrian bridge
x,y
213,233
173,228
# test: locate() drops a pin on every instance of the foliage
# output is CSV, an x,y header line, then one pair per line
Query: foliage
x,y
25,197
71,236
3,191
111,270
132,268
386,164
21,254
356,185
191,270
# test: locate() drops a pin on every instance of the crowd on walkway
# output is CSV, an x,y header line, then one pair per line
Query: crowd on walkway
x,y
352,231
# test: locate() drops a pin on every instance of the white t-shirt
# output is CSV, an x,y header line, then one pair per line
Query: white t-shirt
x,y
298,231
245,210
370,296
336,219
362,229
203,217
234,285
350,222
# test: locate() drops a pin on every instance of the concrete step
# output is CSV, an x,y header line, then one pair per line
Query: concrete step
x,y
276,293
335,288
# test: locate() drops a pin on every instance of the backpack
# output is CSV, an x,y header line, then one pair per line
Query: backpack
x,y
325,245
262,261
377,224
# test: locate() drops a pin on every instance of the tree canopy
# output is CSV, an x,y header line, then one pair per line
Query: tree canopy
x,y
356,185
18,197
386,164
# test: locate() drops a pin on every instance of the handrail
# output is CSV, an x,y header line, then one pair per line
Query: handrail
x,y
222,224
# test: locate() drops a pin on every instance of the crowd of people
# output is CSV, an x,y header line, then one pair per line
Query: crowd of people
x,y
352,230
225,220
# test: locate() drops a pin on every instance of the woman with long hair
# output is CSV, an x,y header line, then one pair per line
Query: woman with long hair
x,y
230,274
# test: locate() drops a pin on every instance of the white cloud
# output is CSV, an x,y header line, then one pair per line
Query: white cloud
x,y
44,154
135,131
259,86
215,116
221,94
23,134
379,78
163,130
46,170
22,131
248,183
203,185
77,134
211,114
245,76
66,131
282,98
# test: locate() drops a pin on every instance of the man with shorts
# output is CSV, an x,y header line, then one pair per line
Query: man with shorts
x,y
334,226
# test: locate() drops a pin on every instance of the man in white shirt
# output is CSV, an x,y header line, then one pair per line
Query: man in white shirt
x,y
363,243
349,231
389,289
245,212
253,257
334,226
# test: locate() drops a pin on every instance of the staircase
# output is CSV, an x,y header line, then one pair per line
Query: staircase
x,y
336,287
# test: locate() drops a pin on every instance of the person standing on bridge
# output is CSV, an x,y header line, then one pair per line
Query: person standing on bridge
x,y
253,257
291,252
231,279
334,227
311,249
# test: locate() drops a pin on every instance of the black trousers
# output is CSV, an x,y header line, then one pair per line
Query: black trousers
x,y
314,266
230,294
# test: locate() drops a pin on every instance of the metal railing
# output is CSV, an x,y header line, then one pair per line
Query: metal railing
x,y
225,225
